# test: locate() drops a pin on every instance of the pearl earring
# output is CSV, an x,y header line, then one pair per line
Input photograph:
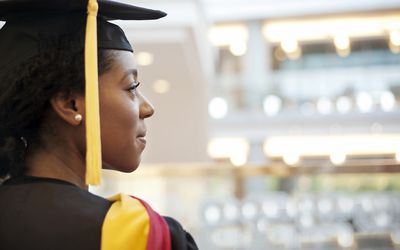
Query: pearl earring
x,y
78,117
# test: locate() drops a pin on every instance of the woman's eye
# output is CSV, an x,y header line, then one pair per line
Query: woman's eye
x,y
134,86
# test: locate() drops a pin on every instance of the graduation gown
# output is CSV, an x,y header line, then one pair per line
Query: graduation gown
x,y
50,214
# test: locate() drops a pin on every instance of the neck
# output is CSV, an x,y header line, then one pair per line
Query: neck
x,y
57,165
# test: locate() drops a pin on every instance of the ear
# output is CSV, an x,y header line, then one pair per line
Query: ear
x,y
67,106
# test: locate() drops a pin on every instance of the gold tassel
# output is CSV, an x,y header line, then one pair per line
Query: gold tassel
x,y
93,139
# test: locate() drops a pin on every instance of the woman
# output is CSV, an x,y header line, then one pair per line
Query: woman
x,y
43,139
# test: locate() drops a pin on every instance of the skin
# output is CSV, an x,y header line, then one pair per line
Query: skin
x,y
122,116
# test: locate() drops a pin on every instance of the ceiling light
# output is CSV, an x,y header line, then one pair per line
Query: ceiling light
x,y
272,104
364,102
226,35
323,29
144,58
291,158
394,37
239,158
290,45
218,108
161,86
325,145
238,48
229,148
338,157
212,214
345,238
388,101
342,42
344,104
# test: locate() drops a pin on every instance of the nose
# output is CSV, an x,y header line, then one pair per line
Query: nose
x,y
146,109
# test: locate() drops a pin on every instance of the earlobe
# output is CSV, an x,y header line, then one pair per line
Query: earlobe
x,y
70,108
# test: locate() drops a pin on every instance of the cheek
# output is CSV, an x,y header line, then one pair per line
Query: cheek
x,y
119,129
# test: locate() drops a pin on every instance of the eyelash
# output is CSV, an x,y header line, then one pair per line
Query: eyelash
x,y
134,86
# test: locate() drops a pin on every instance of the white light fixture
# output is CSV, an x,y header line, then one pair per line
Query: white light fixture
x,y
291,158
345,238
344,104
395,236
235,149
161,86
290,45
225,35
342,42
338,157
234,36
394,41
239,158
144,58
238,48
292,49
324,106
388,101
212,214
272,105
218,108
324,145
323,29
364,102
394,37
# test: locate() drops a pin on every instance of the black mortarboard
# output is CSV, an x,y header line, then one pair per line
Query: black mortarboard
x,y
32,24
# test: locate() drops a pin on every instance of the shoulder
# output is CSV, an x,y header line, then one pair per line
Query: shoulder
x,y
134,223
61,211
50,193
180,239
50,199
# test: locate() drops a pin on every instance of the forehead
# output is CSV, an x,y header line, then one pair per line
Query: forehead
x,y
122,64
123,59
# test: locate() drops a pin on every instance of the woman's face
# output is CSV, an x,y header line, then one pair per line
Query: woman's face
x,y
123,110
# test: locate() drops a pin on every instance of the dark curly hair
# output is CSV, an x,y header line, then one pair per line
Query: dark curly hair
x,y
25,95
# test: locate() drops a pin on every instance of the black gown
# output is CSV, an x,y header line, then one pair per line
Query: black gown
x,y
49,214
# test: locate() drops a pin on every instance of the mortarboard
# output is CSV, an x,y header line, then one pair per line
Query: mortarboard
x,y
28,22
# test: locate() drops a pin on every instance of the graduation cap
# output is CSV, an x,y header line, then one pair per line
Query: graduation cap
x,y
29,22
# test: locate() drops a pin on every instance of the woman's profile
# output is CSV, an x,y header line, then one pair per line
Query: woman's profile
x,y
70,103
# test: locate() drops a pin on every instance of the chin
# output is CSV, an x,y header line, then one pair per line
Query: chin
x,y
121,168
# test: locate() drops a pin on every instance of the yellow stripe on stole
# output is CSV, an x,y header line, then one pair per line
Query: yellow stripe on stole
x,y
126,225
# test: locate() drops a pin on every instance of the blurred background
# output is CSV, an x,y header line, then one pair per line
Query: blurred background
x,y
277,123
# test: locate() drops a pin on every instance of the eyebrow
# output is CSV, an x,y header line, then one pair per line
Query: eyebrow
x,y
129,72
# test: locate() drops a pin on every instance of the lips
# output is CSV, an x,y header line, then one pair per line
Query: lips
x,y
142,140
142,137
